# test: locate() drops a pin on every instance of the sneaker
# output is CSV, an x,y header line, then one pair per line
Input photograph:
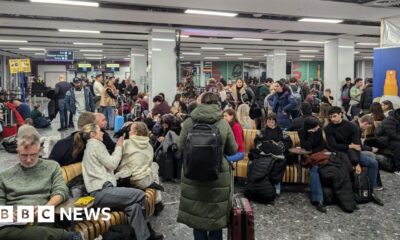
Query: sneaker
x,y
379,188
397,172
320,206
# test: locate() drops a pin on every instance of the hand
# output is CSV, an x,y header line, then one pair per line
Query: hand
x,y
374,149
284,113
160,139
358,169
355,147
120,142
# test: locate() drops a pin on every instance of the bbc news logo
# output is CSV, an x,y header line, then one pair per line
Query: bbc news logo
x,y
46,214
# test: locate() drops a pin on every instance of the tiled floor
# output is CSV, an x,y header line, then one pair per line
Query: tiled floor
x,y
291,217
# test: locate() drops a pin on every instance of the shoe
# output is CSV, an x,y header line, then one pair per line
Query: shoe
x,y
158,208
320,206
153,234
376,200
61,129
71,126
379,188
397,172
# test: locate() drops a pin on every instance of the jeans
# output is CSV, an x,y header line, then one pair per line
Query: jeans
x,y
109,112
237,157
278,188
131,200
212,235
367,159
317,194
63,113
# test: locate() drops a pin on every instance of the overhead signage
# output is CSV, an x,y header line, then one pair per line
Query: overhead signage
x,y
59,56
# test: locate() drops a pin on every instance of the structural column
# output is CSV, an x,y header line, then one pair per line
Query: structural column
x,y
276,64
338,64
162,63
3,71
139,69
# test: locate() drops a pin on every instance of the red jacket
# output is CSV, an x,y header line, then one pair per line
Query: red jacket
x,y
238,133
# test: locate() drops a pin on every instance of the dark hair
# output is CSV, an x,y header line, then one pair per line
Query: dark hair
x,y
178,97
99,75
348,79
328,90
192,105
158,98
210,98
370,80
306,108
358,80
293,80
389,103
232,112
334,110
270,80
285,87
377,111
162,95
271,116
368,119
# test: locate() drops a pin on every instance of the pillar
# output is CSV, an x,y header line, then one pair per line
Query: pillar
x,y
138,69
162,63
338,64
276,64
3,72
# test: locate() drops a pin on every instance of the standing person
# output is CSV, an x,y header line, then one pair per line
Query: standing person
x,y
282,103
327,98
242,94
222,94
366,97
98,168
230,117
62,88
78,99
108,102
355,97
316,85
305,89
345,94
198,201
135,91
98,90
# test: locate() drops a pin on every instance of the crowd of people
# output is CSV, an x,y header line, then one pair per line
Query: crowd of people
x,y
153,143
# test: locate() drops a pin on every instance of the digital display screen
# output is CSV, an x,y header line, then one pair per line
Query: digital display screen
x,y
59,56
112,67
84,67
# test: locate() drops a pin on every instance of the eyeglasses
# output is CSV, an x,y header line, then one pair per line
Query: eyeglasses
x,y
26,156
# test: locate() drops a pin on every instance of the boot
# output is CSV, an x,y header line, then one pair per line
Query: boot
x,y
153,234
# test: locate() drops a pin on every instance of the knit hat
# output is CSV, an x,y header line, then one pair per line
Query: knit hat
x,y
310,123
26,130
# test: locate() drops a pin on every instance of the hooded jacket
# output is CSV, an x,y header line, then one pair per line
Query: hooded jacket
x,y
206,205
137,157
391,126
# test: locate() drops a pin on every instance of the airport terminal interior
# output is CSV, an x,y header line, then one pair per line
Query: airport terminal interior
x,y
204,120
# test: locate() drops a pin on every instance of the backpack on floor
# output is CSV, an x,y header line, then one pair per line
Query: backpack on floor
x,y
362,187
203,152
385,162
10,144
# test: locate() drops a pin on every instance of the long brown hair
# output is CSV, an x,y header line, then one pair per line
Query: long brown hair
x,y
81,137
232,113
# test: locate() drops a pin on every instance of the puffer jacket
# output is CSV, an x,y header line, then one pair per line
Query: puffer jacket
x,y
282,103
366,97
206,205
391,126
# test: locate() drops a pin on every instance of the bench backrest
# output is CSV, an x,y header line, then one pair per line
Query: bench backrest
x,y
71,171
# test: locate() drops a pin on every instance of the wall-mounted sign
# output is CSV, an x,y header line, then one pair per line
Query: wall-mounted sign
x,y
19,65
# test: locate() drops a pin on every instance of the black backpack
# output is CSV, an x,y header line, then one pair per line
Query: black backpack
x,y
362,187
203,152
10,144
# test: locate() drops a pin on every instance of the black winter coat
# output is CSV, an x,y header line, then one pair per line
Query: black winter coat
x,y
337,175
391,127
366,97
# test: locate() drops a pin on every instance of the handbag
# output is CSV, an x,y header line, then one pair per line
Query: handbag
x,y
318,158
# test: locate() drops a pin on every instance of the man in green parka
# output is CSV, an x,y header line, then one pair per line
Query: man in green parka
x,y
205,205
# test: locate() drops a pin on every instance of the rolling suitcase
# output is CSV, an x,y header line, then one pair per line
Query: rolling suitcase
x,y
119,122
241,224
9,128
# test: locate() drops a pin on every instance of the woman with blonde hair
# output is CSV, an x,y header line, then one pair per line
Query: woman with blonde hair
x,y
243,117
108,102
242,94
323,114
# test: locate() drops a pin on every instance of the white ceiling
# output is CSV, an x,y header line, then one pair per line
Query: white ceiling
x,y
125,25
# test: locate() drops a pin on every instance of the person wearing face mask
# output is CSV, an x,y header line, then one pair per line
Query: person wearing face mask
x,y
98,168
282,103
78,99
242,94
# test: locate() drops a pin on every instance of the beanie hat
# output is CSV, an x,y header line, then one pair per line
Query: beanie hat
x,y
310,123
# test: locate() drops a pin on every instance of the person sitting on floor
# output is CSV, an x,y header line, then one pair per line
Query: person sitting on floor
x,y
33,182
66,151
137,161
39,121
23,108
311,139
98,168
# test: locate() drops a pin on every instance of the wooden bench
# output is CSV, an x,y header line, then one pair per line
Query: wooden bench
x,y
294,173
92,229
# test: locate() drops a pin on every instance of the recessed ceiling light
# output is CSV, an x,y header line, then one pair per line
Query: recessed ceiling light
x,y
233,54
367,44
248,39
32,49
304,59
39,53
82,43
183,36
309,50
320,20
157,49
181,57
368,57
93,55
356,52
307,56
268,55
212,13
245,58
12,41
191,53
212,48
137,55
68,2
78,31
94,58
163,39
308,41
127,59
211,57
343,46
91,50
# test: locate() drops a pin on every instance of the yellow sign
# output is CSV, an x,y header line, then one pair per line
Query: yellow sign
x,y
20,65
112,65
84,65
25,65
14,66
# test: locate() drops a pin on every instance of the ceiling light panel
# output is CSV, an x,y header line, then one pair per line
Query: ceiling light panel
x,y
82,43
91,50
311,42
78,31
233,54
212,48
12,41
248,39
163,39
191,53
320,20
32,49
308,50
212,13
67,2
